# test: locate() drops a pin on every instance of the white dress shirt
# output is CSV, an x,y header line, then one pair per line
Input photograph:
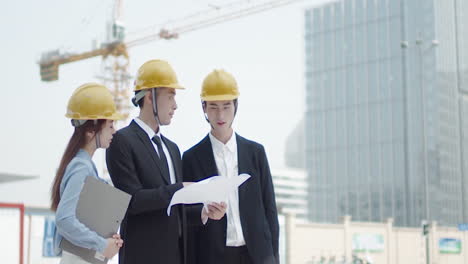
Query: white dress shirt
x,y
151,134
226,161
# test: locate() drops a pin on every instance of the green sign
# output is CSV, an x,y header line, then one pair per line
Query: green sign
x,y
450,246
368,243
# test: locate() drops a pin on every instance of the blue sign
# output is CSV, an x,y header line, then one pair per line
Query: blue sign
x,y
463,227
368,243
48,242
450,245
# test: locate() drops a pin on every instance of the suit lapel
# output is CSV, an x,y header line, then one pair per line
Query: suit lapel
x,y
148,146
242,167
206,159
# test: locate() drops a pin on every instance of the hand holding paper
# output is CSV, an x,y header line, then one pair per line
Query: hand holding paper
x,y
214,211
213,189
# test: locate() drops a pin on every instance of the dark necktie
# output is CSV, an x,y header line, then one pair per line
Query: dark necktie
x,y
162,158
165,169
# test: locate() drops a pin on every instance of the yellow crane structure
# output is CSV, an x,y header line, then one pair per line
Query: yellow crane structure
x,y
115,52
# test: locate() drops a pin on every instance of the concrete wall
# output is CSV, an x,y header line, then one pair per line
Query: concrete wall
x,y
308,243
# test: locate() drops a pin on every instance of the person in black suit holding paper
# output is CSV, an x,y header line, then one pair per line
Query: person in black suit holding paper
x,y
249,232
147,165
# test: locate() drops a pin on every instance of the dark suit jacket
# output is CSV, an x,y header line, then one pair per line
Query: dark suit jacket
x,y
257,205
150,236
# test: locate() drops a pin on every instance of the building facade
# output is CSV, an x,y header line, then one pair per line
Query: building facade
x,y
386,103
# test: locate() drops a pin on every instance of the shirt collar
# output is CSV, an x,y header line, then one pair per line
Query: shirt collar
x,y
147,128
231,145
83,154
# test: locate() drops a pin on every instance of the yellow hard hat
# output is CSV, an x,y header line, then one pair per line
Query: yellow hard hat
x,y
219,86
92,101
154,74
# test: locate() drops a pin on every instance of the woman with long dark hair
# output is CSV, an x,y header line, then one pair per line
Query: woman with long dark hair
x,y
92,112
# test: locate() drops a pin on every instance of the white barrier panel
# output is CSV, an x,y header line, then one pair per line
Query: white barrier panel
x,y
10,230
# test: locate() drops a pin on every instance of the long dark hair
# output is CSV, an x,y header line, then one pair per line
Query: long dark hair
x,y
77,141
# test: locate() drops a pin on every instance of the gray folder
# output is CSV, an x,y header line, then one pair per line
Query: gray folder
x,y
101,208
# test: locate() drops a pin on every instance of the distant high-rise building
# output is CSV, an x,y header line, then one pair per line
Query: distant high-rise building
x,y
291,191
387,110
295,148
291,181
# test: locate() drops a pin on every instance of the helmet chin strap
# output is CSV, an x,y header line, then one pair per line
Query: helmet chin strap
x,y
235,111
97,135
155,107
98,141
203,105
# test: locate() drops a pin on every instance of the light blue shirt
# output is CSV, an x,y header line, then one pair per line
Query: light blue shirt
x,y
67,225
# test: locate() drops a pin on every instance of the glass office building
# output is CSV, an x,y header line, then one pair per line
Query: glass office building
x,y
387,111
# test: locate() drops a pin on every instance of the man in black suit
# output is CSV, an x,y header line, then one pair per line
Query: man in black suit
x,y
249,232
147,165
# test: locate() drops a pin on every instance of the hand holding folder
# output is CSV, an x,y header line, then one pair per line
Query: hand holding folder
x,y
101,208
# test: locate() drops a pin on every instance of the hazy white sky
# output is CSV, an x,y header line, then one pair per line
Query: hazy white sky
x,y
264,52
